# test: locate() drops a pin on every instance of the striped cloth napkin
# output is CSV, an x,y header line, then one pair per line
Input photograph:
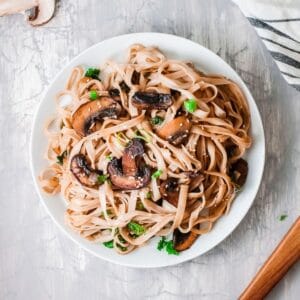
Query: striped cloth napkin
x,y
277,22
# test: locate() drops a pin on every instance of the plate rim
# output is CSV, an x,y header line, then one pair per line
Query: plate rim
x,y
63,228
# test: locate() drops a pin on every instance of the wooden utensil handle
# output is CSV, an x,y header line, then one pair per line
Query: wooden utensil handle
x,y
283,257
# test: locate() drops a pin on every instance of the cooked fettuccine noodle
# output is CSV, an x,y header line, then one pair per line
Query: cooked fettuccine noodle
x,y
151,149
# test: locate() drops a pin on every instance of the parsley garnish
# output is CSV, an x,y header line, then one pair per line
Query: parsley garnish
x,y
157,120
167,245
109,157
156,174
102,178
282,217
138,135
149,195
136,228
161,244
109,244
190,105
60,158
93,73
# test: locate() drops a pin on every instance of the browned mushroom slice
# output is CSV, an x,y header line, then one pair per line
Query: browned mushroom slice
x,y
130,172
88,114
42,13
123,182
151,100
183,241
83,171
175,131
132,157
135,78
239,172
170,191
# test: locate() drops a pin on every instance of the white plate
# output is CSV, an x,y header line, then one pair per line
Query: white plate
x,y
174,47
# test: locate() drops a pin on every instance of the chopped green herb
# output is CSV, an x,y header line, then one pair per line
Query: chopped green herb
x,y
136,228
170,249
161,244
60,158
157,120
282,217
141,138
167,245
145,137
121,239
93,95
149,195
120,137
109,157
190,105
121,247
156,174
102,178
93,73
109,244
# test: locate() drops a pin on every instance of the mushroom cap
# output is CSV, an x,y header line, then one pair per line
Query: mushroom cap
x,y
175,131
123,182
170,191
93,111
83,172
239,172
44,12
151,100
131,157
130,172
183,241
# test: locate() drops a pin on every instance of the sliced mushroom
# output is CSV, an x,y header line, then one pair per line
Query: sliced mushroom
x,y
170,191
130,172
183,241
83,171
151,100
132,157
124,87
88,114
175,131
114,93
239,172
135,78
42,13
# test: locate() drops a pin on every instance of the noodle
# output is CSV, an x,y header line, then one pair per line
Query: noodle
x,y
215,138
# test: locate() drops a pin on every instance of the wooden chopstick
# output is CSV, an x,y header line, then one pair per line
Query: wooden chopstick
x,y
283,257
